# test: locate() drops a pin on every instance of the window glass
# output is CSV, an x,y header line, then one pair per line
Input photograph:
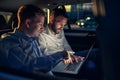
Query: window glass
x,y
81,16
7,15
4,20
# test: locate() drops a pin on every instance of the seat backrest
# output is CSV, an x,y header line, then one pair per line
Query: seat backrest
x,y
3,23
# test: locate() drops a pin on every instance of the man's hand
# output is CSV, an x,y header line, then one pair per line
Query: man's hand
x,y
70,52
73,58
77,58
68,57
68,60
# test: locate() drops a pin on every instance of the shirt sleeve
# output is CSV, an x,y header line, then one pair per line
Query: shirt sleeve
x,y
19,59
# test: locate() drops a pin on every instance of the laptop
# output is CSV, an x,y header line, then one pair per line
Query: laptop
x,y
70,68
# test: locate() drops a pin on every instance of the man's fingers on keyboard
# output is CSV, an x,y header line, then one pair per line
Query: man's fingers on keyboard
x,y
64,61
74,58
67,61
80,58
70,52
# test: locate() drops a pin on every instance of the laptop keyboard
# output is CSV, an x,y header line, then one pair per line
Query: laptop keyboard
x,y
73,66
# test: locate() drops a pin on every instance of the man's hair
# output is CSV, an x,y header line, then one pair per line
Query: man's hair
x,y
57,12
28,11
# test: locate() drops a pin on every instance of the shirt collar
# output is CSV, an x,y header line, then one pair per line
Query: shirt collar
x,y
23,35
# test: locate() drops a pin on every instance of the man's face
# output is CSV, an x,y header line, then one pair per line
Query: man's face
x,y
59,24
36,26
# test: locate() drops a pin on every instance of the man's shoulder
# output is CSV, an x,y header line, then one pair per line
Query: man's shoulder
x,y
10,39
9,35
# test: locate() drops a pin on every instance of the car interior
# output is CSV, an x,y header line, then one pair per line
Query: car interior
x,y
89,21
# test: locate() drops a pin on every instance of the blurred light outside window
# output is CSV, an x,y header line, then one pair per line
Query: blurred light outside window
x,y
81,16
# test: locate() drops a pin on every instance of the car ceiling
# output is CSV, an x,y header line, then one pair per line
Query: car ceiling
x,y
13,5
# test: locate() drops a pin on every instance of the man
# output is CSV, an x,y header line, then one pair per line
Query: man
x,y
20,50
53,40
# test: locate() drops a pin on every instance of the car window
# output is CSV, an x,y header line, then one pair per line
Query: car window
x,y
7,15
4,20
81,16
